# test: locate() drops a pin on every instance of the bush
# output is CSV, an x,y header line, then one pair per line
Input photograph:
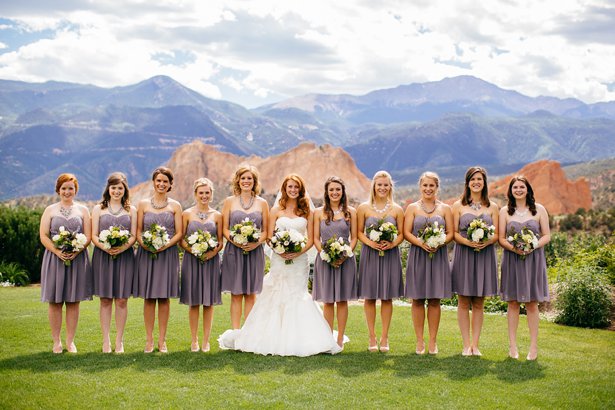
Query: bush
x,y
19,239
14,274
583,297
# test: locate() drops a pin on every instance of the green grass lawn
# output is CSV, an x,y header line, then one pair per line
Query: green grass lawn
x,y
575,368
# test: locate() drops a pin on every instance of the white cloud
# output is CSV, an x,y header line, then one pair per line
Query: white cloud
x,y
253,52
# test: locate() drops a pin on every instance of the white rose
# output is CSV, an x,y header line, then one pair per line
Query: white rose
x,y
478,234
374,235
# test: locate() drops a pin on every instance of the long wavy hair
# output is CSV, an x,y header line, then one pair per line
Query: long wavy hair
x,y
372,192
242,169
466,197
303,204
114,179
529,199
343,200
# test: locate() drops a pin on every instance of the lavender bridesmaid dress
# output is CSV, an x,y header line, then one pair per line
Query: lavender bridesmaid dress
x,y
474,273
200,282
427,278
113,277
334,284
524,280
380,276
157,278
243,274
61,283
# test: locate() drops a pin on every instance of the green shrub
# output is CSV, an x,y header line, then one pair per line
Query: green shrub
x,y
583,297
13,273
495,304
19,239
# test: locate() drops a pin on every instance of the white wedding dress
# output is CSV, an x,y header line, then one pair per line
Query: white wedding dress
x,y
284,321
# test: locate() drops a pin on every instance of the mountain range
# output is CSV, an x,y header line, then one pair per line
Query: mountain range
x,y
48,128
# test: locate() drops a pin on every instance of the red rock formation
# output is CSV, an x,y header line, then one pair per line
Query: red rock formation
x,y
551,188
314,163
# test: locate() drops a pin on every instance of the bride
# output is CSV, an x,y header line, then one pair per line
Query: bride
x,y
285,321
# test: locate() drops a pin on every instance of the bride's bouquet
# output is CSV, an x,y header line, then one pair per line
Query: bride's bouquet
x,y
155,238
287,241
245,232
200,243
525,241
114,237
382,231
335,249
479,231
69,242
434,235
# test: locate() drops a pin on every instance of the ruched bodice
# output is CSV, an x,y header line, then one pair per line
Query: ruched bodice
x,y
336,228
207,226
238,216
467,218
106,221
531,224
373,220
166,219
72,224
421,221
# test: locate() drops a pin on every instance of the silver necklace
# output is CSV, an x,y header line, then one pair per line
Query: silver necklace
x,y
476,205
65,212
521,214
203,215
164,204
244,206
422,205
383,210
337,211
114,213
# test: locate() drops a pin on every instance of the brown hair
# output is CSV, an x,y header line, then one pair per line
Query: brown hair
x,y
256,188
66,177
114,179
166,172
467,193
529,199
303,205
343,200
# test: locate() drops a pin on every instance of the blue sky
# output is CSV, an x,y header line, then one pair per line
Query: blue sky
x,y
259,52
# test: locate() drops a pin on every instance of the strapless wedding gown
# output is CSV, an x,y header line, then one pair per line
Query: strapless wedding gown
x,y
285,320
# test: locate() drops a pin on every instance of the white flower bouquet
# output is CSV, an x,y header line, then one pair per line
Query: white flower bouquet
x,y
434,235
479,231
155,238
287,241
382,231
245,232
201,242
114,237
525,241
69,242
335,249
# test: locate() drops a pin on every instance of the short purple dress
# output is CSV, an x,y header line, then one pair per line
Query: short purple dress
x,y
524,280
200,281
427,278
380,276
474,273
113,277
334,284
157,278
61,283
243,274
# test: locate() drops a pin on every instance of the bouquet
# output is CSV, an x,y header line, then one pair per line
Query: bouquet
x,y
525,240
69,242
287,241
155,238
201,242
335,249
434,235
244,232
114,237
479,231
382,231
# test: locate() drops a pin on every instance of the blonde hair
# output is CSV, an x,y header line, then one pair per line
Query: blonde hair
x,y
372,192
430,175
199,182
256,188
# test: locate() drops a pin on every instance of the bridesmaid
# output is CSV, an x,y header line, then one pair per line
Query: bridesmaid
x,y
243,266
335,283
113,268
427,278
380,277
200,281
61,284
474,270
524,274
157,279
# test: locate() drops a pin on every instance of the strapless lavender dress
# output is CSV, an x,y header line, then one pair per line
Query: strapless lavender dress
x,y
474,273
524,280
427,278
200,282
157,278
380,277
334,284
61,283
243,274
113,277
